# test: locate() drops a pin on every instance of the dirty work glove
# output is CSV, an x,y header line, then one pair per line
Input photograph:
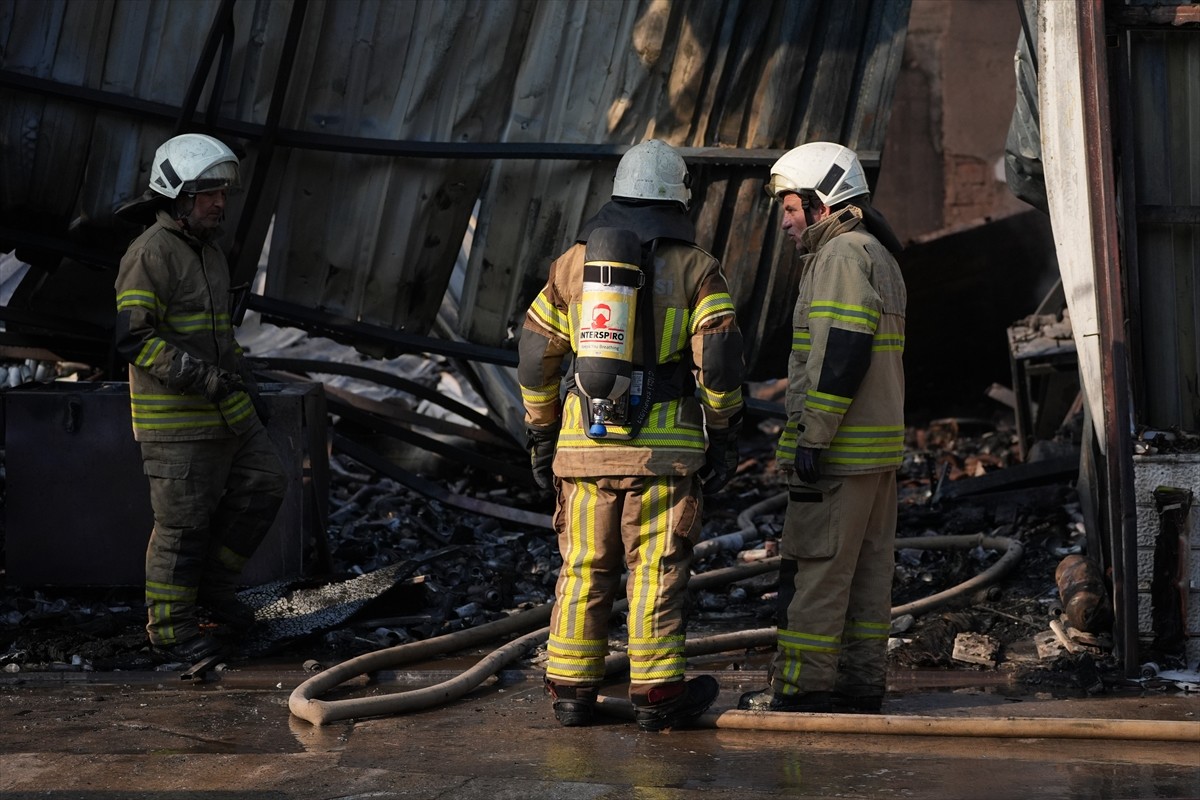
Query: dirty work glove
x,y
198,376
720,458
541,443
219,384
808,467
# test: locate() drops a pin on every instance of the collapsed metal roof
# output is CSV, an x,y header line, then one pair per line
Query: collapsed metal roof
x,y
376,134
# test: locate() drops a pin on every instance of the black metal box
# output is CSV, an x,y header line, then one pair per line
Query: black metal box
x,y
77,508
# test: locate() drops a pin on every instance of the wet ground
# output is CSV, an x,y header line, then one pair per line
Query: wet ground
x,y
96,736
84,715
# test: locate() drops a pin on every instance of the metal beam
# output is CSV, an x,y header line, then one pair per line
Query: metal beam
x,y
306,140
1156,17
343,329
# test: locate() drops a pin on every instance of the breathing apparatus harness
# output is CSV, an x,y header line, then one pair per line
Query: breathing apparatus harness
x,y
616,387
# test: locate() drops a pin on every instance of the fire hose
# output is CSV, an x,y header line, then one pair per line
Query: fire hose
x,y
533,630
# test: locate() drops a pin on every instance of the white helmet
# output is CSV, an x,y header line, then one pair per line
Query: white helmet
x,y
653,170
828,169
192,163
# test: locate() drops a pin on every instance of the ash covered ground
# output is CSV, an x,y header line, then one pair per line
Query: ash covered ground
x,y
420,569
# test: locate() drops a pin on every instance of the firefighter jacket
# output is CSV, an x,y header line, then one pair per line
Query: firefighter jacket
x,y
696,342
845,373
173,297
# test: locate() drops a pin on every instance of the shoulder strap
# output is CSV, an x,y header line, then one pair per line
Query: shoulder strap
x,y
649,339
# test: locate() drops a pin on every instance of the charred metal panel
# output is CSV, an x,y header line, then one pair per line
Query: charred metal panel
x,y
738,75
362,230
374,238
77,511
1163,96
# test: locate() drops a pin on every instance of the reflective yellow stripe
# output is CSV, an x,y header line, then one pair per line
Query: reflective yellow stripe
x,y
659,430
138,298
719,400
859,630
812,642
843,312
181,411
204,321
550,316
888,342
539,395
169,592
716,304
149,352
580,660
823,401
676,324
656,660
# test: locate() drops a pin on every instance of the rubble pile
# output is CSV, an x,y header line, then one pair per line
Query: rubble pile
x,y
422,569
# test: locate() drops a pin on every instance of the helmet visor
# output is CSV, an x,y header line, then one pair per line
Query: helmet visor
x,y
778,185
219,176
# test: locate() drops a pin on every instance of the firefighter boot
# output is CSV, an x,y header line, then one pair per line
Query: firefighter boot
x,y
574,706
857,699
768,700
675,704
226,609
190,650
218,596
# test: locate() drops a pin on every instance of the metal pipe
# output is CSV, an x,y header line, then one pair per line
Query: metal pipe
x,y
1120,501
893,725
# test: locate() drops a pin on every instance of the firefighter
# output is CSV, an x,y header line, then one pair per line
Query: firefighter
x,y
216,482
842,442
630,468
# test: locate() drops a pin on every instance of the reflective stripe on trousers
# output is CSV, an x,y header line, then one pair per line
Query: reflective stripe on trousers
x,y
648,523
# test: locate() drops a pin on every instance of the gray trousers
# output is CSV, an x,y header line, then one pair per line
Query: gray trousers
x,y
835,585
214,501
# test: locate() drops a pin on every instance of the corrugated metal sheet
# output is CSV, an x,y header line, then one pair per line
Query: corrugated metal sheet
x,y
1163,95
367,225
752,75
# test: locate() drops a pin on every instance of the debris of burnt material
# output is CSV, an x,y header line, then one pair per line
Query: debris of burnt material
x,y
405,566
964,476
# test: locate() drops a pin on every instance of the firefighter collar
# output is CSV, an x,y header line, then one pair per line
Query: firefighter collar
x,y
649,221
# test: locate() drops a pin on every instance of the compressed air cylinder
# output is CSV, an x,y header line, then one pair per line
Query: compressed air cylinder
x,y
604,351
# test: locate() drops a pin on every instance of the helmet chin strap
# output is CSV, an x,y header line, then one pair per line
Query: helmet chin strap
x,y
182,212
183,208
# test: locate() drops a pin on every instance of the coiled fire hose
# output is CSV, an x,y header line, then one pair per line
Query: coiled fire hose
x,y
533,624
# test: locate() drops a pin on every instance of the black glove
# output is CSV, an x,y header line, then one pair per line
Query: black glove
x,y
219,384
195,375
541,443
808,468
720,458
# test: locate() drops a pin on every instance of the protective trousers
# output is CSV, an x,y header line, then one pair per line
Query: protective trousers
x,y
649,524
835,585
214,501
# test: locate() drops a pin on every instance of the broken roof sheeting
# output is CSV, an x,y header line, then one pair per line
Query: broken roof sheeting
x,y
373,237
1163,97
743,75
